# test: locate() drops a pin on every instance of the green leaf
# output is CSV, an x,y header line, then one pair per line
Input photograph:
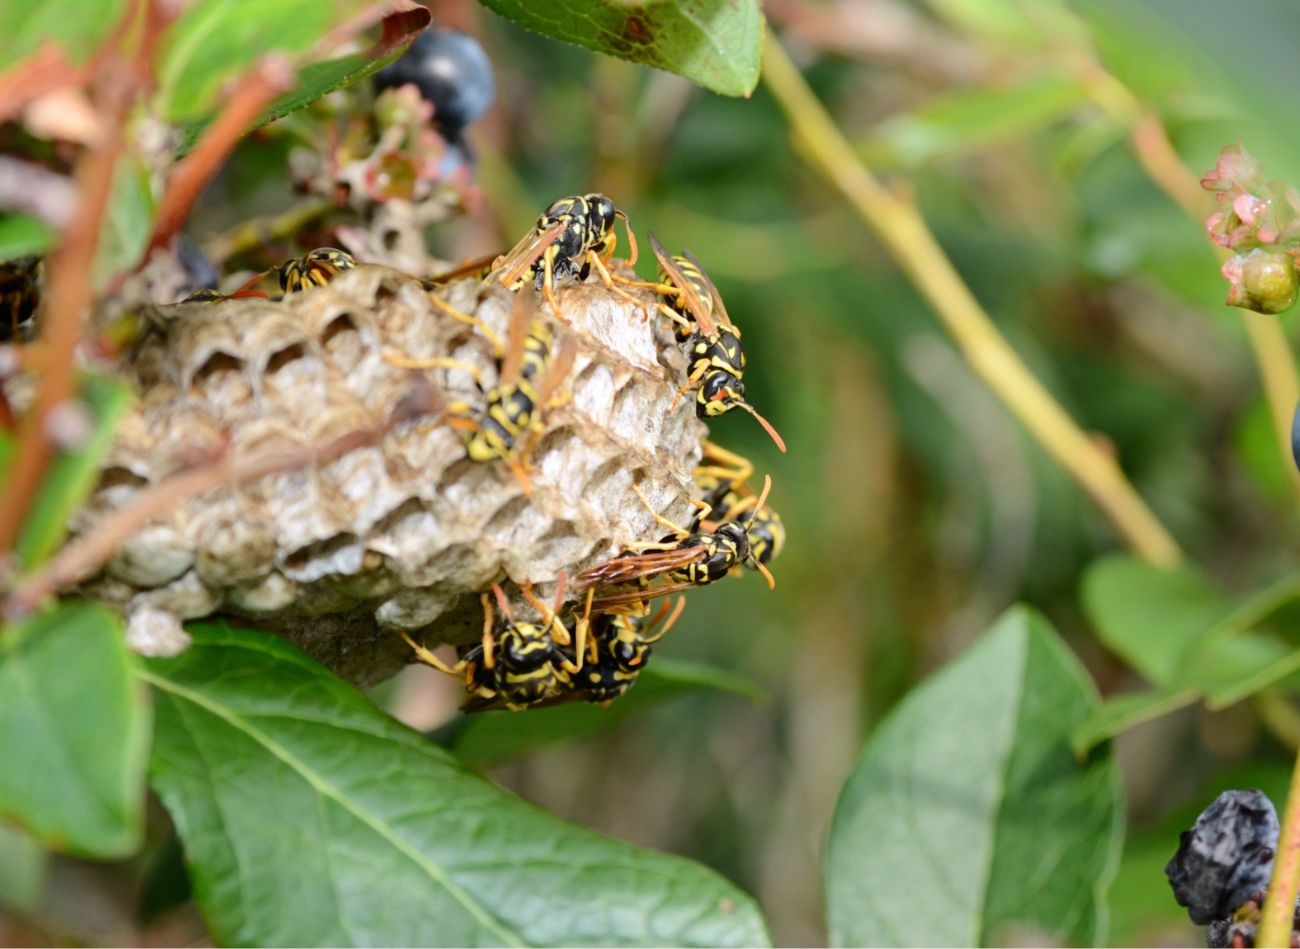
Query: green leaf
x,y
128,221
715,43
967,815
969,120
1150,617
74,726
1119,714
23,864
72,474
214,41
21,235
311,818
314,81
497,736
76,26
1184,636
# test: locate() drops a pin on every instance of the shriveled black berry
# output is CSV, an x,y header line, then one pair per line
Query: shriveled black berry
x,y
451,71
1216,934
1226,856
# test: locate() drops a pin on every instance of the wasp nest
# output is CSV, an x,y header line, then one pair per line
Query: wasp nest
x,y
405,531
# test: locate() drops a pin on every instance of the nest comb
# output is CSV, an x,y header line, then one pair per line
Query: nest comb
x,y
405,532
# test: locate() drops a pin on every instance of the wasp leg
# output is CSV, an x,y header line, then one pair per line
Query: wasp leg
x,y
429,659
729,465
551,617
435,362
608,280
692,380
548,283
581,641
489,644
666,310
660,520
473,321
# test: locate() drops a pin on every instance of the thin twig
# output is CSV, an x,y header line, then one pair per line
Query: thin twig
x,y
68,297
899,225
251,95
1279,905
88,553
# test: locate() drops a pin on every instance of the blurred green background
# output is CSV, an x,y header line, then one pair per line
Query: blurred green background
x,y
917,508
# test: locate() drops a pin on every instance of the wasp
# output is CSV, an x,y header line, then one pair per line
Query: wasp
x,y
714,353
516,664
21,282
685,558
721,480
531,368
573,236
622,645
316,269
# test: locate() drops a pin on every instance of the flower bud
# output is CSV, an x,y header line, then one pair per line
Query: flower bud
x,y
1262,280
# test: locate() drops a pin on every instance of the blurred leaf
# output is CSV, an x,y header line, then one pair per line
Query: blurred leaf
x,y
314,81
74,726
21,235
77,26
311,818
1150,617
968,120
1008,22
22,870
214,41
128,221
715,43
967,813
497,736
72,475
1184,636
1117,715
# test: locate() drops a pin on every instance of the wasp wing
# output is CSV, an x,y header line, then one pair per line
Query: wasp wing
x,y
632,567
719,307
477,267
516,261
685,289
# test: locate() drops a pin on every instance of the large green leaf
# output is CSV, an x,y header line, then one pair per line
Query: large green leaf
x,y
716,43
968,816
311,818
73,473
496,736
74,726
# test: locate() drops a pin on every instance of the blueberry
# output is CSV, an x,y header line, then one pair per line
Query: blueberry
x,y
1295,436
1226,857
452,72
200,274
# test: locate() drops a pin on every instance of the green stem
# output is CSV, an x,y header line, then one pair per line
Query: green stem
x,y
1279,905
901,228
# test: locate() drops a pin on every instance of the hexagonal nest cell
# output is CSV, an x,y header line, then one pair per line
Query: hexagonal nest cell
x,y
404,531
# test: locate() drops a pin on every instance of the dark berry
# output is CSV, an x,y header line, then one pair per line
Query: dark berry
x,y
452,72
1295,436
199,272
1226,857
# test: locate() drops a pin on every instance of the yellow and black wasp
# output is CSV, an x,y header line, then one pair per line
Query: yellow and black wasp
x,y
20,296
721,480
715,356
531,369
685,558
621,648
516,664
315,269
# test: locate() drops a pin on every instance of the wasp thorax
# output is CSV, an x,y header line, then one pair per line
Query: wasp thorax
x,y
406,530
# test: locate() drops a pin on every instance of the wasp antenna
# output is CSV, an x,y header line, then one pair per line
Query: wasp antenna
x,y
767,574
762,498
767,426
